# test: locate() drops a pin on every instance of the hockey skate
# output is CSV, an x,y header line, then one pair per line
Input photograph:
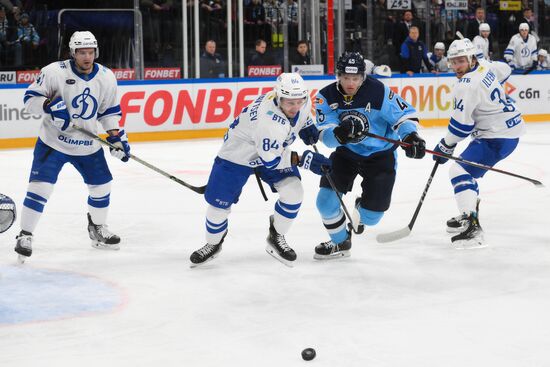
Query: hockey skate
x,y
101,237
460,223
206,253
471,237
356,216
277,246
23,246
329,250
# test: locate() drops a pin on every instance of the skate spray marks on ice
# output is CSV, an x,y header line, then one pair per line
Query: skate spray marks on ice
x,y
34,295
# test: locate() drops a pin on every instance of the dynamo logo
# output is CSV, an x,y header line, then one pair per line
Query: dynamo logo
x,y
86,103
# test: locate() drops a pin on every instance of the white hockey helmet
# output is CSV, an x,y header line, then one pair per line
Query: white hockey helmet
x,y
83,39
484,27
290,85
439,46
523,26
543,52
461,47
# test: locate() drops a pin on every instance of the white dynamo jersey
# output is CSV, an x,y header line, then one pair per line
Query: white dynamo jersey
x,y
261,134
520,53
480,106
482,47
89,99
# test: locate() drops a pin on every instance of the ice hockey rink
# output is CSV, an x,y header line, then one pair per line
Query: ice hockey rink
x,y
414,302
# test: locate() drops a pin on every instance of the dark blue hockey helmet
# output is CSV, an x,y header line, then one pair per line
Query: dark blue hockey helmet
x,y
351,63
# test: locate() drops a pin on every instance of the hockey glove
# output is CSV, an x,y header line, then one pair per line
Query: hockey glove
x,y
121,142
350,129
59,113
315,162
417,147
309,135
443,148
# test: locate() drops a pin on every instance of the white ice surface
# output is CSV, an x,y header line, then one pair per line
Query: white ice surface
x,y
415,302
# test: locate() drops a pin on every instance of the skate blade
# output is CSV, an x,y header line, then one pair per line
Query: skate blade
x,y
103,246
270,250
196,265
468,244
333,256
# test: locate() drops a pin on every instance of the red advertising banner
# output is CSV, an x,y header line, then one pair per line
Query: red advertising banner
x,y
162,73
265,70
27,76
124,74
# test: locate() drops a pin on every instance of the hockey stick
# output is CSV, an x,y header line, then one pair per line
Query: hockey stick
x,y
458,159
404,232
333,186
197,189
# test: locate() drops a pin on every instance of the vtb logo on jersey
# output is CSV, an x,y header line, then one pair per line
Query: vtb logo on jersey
x,y
359,121
86,104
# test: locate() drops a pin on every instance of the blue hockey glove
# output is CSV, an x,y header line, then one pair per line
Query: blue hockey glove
x,y
59,113
417,147
443,148
350,130
121,142
309,135
315,162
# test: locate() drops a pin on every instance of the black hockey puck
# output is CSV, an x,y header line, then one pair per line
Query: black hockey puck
x,y
308,354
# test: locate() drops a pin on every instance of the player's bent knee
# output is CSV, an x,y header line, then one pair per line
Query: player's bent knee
x,y
99,195
370,217
216,215
327,203
290,190
457,170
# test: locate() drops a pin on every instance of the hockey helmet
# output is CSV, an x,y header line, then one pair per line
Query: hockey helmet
x,y
84,39
484,27
290,85
351,63
7,212
439,46
461,47
523,27
543,52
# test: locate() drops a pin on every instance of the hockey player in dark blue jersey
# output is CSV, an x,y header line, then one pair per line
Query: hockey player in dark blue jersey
x,y
346,110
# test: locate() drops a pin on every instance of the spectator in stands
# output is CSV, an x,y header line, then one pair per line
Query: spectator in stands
x,y
28,38
258,57
481,42
300,56
521,52
291,8
437,58
274,19
413,52
402,29
543,60
212,64
255,26
473,24
211,16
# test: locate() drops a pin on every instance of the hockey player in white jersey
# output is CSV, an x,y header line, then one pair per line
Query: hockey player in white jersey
x,y
542,62
481,42
259,139
521,52
482,111
82,92
437,58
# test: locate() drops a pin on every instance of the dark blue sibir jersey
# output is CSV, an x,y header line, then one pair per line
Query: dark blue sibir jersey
x,y
386,114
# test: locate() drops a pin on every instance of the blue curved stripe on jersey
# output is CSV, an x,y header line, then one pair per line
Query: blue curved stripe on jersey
x,y
31,93
36,197
534,52
216,228
463,183
86,77
370,217
115,110
101,202
271,164
287,210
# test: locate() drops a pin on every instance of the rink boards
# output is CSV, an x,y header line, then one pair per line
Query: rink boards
x,y
203,108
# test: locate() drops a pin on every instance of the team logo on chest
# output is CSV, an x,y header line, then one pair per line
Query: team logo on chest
x,y
86,104
356,117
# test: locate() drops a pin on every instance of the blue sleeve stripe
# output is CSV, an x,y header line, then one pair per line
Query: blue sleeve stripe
x,y
462,127
456,132
534,52
508,52
30,93
271,164
115,110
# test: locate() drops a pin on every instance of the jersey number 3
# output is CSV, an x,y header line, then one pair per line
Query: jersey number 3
x,y
495,95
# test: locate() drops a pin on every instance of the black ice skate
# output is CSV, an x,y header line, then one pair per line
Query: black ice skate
x,y
329,250
101,237
277,246
206,253
460,223
23,246
471,237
